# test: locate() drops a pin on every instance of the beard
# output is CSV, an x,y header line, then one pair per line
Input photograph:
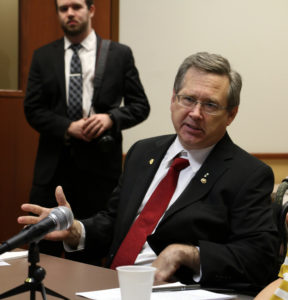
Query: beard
x,y
74,31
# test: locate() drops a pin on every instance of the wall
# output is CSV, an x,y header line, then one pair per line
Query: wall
x,y
280,168
9,44
253,35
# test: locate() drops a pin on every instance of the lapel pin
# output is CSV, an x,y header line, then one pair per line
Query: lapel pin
x,y
203,180
151,161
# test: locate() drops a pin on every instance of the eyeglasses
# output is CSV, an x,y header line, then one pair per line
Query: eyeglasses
x,y
208,107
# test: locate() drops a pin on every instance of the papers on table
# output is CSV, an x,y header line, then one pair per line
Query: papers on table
x,y
11,255
197,294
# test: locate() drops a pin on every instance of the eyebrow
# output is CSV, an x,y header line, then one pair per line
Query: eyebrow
x,y
204,100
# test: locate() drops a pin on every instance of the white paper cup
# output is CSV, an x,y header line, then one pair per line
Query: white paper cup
x,y
135,282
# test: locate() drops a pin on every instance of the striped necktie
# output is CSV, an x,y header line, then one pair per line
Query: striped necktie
x,y
75,86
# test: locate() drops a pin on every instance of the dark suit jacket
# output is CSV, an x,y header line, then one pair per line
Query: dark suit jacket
x,y
229,217
45,108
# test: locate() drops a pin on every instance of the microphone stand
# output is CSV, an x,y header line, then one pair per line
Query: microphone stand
x,y
33,282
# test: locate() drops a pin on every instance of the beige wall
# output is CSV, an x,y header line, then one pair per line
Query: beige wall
x,y
163,32
253,35
280,168
9,44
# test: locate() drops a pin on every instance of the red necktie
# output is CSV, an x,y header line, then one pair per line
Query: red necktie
x,y
149,216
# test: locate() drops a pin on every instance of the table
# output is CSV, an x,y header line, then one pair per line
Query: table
x,y
63,276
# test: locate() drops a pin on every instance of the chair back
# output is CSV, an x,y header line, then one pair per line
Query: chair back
x,y
280,208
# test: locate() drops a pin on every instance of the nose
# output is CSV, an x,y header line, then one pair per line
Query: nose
x,y
196,112
70,11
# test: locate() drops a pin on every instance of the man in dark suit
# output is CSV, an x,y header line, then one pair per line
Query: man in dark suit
x,y
82,154
218,227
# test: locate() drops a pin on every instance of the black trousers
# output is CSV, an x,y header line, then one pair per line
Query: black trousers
x,y
85,190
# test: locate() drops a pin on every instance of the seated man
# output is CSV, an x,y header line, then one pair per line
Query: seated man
x,y
215,225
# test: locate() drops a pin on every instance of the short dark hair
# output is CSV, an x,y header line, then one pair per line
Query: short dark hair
x,y
88,3
212,63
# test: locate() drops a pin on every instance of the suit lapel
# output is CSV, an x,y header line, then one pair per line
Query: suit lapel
x,y
96,93
151,161
149,164
214,167
59,66
98,39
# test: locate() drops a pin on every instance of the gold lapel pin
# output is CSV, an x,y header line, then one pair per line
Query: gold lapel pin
x,y
204,180
151,161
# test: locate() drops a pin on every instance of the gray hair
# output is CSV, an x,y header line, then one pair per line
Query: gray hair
x,y
212,63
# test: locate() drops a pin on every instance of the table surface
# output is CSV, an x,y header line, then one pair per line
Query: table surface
x,y
63,276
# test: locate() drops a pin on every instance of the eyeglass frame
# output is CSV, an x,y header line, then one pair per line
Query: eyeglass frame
x,y
202,103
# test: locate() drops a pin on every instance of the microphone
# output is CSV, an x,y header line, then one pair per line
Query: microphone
x,y
60,218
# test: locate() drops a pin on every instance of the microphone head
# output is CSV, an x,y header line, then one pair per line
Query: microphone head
x,y
62,216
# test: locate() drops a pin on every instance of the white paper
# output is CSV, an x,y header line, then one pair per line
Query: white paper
x,y
114,294
12,255
111,294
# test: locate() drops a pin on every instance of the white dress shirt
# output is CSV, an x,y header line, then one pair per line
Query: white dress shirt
x,y
87,55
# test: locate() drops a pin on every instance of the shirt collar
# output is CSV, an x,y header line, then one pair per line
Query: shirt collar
x,y
89,43
196,157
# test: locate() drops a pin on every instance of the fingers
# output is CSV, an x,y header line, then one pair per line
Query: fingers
x,y
40,212
60,197
164,271
33,208
95,125
28,220
160,276
76,130
168,262
92,126
98,132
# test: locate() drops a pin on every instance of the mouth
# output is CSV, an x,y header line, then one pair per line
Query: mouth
x,y
72,22
193,128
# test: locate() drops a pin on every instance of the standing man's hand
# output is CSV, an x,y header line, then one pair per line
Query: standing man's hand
x,y
76,130
95,125
174,256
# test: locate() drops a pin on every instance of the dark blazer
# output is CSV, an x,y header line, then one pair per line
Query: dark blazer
x,y
229,217
45,108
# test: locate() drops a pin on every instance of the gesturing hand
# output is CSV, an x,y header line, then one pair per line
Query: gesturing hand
x,y
40,213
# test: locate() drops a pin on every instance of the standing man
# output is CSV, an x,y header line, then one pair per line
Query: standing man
x,y
80,145
215,223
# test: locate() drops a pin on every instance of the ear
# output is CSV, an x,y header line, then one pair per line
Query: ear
x,y
92,10
173,98
231,115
